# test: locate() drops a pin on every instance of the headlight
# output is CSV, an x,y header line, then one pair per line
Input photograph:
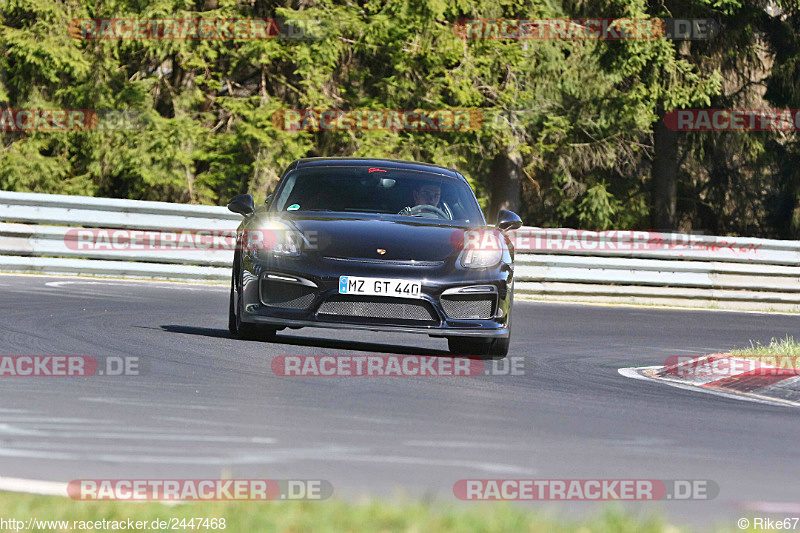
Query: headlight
x,y
289,243
482,250
274,239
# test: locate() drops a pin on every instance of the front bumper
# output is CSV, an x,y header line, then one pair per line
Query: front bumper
x,y
319,279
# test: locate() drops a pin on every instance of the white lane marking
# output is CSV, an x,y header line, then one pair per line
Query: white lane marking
x,y
122,428
641,442
272,427
132,283
110,279
633,372
8,429
184,420
160,436
82,296
369,419
353,454
691,351
141,403
45,488
331,453
181,458
653,307
459,444
97,448
57,420
476,465
33,486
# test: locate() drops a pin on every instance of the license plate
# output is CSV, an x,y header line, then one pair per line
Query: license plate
x,y
398,288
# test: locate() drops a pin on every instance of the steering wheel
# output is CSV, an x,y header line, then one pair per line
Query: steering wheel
x,y
423,208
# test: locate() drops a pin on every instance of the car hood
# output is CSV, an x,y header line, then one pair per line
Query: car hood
x,y
366,238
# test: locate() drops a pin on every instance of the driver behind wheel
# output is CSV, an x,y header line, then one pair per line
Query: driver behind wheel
x,y
427,195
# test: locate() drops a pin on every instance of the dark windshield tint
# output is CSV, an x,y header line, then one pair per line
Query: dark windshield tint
x,y
378,191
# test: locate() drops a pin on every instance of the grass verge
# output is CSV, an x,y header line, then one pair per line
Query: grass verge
x,y
327,516
786,346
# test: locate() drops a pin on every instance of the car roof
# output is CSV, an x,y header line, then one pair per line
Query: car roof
x,y
369,161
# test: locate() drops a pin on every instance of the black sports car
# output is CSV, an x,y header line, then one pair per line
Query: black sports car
x,y
374,244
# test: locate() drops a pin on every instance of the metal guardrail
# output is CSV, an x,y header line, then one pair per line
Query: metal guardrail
x,y
37,235
33,237
651,267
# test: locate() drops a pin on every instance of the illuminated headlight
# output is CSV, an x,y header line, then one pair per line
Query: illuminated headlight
x,y
484,252
275,239
289,243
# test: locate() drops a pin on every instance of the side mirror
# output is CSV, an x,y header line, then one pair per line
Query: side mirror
x,y
242,204
508,220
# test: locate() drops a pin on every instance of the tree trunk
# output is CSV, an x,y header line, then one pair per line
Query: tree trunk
x,y
506,176
664,176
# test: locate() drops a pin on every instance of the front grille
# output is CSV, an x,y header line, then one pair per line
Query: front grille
x,y
469,305
378,308
286,295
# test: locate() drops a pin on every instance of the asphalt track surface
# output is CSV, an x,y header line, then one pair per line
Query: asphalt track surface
x,y
210,405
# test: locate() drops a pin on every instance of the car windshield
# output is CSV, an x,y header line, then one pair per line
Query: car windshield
x,y
375,190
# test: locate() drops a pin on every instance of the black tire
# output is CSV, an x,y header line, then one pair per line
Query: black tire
x,y
243,330
499,348
231,312
494,348
252,332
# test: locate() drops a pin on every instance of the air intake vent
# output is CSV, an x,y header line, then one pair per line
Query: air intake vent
x,y
461,306
286,295
378,308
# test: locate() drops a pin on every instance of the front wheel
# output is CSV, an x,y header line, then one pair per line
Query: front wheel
x,y
493,348
232,327
243,330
